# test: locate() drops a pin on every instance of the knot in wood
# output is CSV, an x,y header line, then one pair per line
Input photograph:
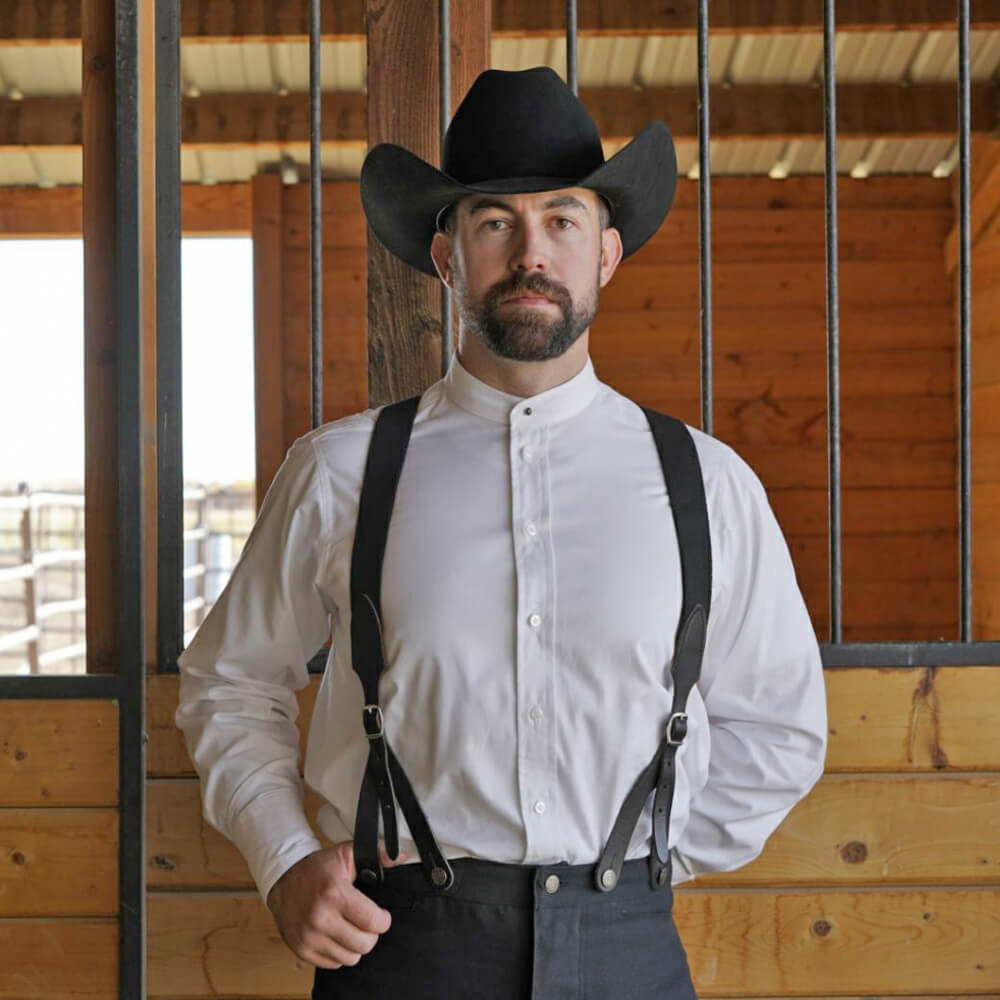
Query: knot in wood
x,y
854,852
822,927
17,857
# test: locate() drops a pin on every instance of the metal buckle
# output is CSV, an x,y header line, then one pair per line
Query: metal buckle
x,y
372,715
675,739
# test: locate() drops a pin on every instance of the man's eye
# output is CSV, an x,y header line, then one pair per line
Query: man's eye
x,y
563,223
495,224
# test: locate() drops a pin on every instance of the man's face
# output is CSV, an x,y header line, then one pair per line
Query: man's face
x,y
526,269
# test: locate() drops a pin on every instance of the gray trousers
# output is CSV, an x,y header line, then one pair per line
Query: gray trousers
x,y
512,932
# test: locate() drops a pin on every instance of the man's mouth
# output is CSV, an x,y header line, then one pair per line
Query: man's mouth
x,y
530,300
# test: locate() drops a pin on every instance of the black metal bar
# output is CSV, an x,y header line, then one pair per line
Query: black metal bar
x,y
444,72
910,654
98,686
832,315
964,323
131,650
315,213
705,219
169,418
572,32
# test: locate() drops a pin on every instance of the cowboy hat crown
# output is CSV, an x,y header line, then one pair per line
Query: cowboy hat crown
x,y
517,132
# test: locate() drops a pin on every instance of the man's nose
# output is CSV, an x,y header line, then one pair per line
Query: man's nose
x,y
529,251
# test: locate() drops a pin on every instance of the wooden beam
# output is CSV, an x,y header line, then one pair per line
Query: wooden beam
x,y
264,20
56,213
865,110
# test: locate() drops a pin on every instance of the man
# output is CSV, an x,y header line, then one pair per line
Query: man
x,y
524,601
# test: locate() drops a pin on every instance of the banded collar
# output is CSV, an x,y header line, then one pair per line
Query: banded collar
x,y
551,406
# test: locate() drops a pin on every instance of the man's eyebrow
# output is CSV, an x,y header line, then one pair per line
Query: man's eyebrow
x,y
565,201
484,203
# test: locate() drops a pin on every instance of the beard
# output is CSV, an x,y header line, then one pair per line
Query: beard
x,y
526,333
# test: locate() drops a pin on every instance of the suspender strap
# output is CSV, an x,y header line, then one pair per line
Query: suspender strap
x,y
384,780
686,490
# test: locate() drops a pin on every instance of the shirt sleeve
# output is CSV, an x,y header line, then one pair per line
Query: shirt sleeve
x,y
761,681
237,706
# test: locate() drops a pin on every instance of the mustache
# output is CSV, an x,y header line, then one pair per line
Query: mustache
x,y
521,283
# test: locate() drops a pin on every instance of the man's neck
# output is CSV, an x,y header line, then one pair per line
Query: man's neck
x,y
521,378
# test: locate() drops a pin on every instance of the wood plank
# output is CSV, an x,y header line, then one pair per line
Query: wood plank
x,y
775,111
59,752
878,941
889,610
62,862
881,831
899,719
738,376
56,213
869,830
72,959
676,331
268,312
881,719
799,283
909,558
869,511
755,942
343,20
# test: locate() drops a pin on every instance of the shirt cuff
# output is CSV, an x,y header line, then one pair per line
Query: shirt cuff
x,y
272,833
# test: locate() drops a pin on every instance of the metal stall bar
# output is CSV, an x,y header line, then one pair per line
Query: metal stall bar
x,y
315,214
965,325
832,315
169,418
704,219
444,71
572,32
130,569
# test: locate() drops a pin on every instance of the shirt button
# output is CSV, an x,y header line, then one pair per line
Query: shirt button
x,y
531,528
552,884
535,620
536,714
527,453
539,807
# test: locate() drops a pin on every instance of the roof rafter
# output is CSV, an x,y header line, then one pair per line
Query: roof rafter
x,y
746,111
228,20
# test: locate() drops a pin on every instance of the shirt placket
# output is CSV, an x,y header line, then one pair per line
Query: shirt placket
x,y
534,629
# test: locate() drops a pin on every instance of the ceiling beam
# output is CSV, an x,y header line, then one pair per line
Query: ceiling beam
x,y
743,112
257,20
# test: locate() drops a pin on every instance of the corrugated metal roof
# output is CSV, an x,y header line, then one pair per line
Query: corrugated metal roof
x,y
881,57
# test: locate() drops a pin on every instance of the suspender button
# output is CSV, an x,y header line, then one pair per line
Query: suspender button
x,y
608,878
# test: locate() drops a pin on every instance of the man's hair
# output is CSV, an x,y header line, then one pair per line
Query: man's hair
x,y
446,223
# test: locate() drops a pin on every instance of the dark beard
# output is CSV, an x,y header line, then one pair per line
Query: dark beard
x,y
525,334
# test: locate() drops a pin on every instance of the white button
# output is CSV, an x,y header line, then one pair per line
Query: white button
x,y
535,620
527,453
536,713
539,807
552,884
530,528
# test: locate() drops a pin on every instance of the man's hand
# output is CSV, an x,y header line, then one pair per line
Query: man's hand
x,y
322,917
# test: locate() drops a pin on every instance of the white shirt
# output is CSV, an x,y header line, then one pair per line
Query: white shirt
x,y
530,599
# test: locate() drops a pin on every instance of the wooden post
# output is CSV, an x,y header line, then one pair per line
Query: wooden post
x,y
404,306
30,590
100,352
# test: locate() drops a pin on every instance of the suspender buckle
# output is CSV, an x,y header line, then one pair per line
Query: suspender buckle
x,y
677,727
371,717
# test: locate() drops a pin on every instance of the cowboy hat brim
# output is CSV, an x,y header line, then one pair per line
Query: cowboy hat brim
x,y
402,195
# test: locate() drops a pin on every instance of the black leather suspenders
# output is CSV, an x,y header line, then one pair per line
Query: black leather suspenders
x,y
384,780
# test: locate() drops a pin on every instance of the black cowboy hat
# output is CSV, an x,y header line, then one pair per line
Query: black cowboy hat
x,y
514,133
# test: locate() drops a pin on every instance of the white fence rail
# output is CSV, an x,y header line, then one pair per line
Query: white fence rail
x,y
42,567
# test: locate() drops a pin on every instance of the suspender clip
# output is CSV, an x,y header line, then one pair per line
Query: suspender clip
x,y
677,727
371,717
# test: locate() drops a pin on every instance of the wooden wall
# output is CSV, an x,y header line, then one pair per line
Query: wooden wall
x,y
897,343
885,881
985,238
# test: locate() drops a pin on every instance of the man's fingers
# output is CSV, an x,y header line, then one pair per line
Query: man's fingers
x,y
364,913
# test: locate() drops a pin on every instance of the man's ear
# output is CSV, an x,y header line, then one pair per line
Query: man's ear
x,y
611,253
441,255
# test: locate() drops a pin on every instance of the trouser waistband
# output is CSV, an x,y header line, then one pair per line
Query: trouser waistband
x,y
517,885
